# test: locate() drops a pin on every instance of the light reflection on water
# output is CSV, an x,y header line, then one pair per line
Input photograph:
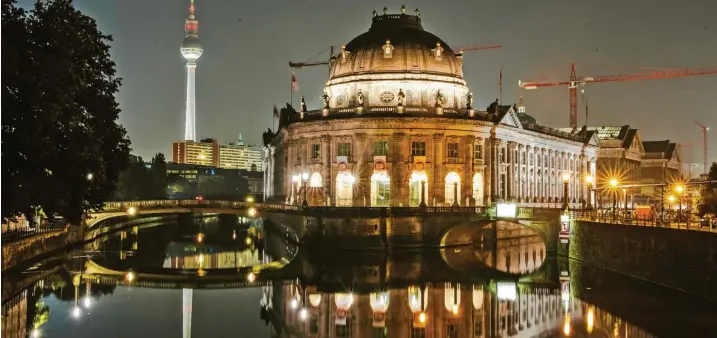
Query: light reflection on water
x,y
494,288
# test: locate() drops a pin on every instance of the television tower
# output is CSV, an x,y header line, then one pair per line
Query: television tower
x,y
191,50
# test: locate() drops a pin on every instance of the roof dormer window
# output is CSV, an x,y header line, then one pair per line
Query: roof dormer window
x,y
344,54
387,50
438,51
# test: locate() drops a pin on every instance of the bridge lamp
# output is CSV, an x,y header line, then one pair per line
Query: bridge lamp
x,y
130,276
422,317
566,178
566,325
87,301
506,210
200,237
305,176
294,303
76,311
303,314
90,176
132,211
251,277
590,322
454,309
252,212
248,241
250,199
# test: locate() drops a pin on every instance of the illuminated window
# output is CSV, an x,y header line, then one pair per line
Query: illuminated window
x,y
418,148
380,148
344,149
387,50
315,150
453,150
478,151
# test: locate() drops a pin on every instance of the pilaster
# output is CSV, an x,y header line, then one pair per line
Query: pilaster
x,y
438,179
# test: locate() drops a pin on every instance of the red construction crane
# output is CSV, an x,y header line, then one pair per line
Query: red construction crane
x,y
297,65
575,81
705,129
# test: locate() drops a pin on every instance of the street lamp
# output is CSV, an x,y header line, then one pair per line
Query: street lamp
x,y
679,189
624,195
614,183
132,211
305,176
423,195
90,176
566,181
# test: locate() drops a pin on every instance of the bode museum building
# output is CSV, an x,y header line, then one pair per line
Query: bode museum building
x,y
398,127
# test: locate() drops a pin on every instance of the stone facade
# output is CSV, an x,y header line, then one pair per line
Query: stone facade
x,y
488,161
398,128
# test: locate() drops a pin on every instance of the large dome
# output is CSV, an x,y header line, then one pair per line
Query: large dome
x,y
396,63
412,50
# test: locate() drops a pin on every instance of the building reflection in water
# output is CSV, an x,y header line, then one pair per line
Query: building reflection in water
x,y
448,310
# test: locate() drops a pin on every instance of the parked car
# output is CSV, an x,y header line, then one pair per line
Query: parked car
x,y
708,220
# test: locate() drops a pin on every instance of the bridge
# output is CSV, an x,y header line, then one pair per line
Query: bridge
x,y
356,227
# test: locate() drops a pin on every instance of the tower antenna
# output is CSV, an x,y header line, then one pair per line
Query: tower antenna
x,y
191,51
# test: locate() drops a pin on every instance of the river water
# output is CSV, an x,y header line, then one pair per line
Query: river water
x,y
189,278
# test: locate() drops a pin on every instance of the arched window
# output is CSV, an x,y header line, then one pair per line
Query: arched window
x,y
414,188
380,189
344,189
315,181
478,188
453,188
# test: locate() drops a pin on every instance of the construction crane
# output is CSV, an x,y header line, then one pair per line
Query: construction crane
x,y
705,129
297,65
469,48
461,50
575,81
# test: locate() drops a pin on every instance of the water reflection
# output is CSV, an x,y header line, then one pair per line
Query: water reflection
x,y
502,286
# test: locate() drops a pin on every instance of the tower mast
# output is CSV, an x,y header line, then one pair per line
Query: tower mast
x,y
191,51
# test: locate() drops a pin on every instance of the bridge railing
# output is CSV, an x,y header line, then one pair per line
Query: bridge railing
x,y
604,216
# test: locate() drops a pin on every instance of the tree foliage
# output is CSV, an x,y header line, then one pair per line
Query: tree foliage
x,y
59,112
708,201
143,181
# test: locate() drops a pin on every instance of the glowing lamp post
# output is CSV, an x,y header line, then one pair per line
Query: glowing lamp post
x,y
423,195
613,186
305,176
679,189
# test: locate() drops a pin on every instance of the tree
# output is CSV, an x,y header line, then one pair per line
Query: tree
x,y
708,199
138,182
62,149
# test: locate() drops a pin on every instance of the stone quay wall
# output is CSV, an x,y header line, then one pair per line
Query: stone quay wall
x,y
680,259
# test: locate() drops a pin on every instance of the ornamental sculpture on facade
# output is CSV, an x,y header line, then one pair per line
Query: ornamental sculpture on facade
x,y
326,99
401,97
440,99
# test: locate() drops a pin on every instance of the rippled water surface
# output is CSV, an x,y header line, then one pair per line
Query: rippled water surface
x,y
232,277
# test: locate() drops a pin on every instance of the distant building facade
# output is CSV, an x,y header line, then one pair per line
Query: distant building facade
x,y
191,180
209,152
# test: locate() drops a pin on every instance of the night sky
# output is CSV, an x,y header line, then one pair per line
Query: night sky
x,y
248,44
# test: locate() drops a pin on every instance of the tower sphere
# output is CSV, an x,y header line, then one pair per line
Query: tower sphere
x,y
191,48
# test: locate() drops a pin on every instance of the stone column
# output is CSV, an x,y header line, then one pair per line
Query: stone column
x,y
510,175
520,190
363,162
399,156
496,170
467,147
327,175
438,179
488,174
